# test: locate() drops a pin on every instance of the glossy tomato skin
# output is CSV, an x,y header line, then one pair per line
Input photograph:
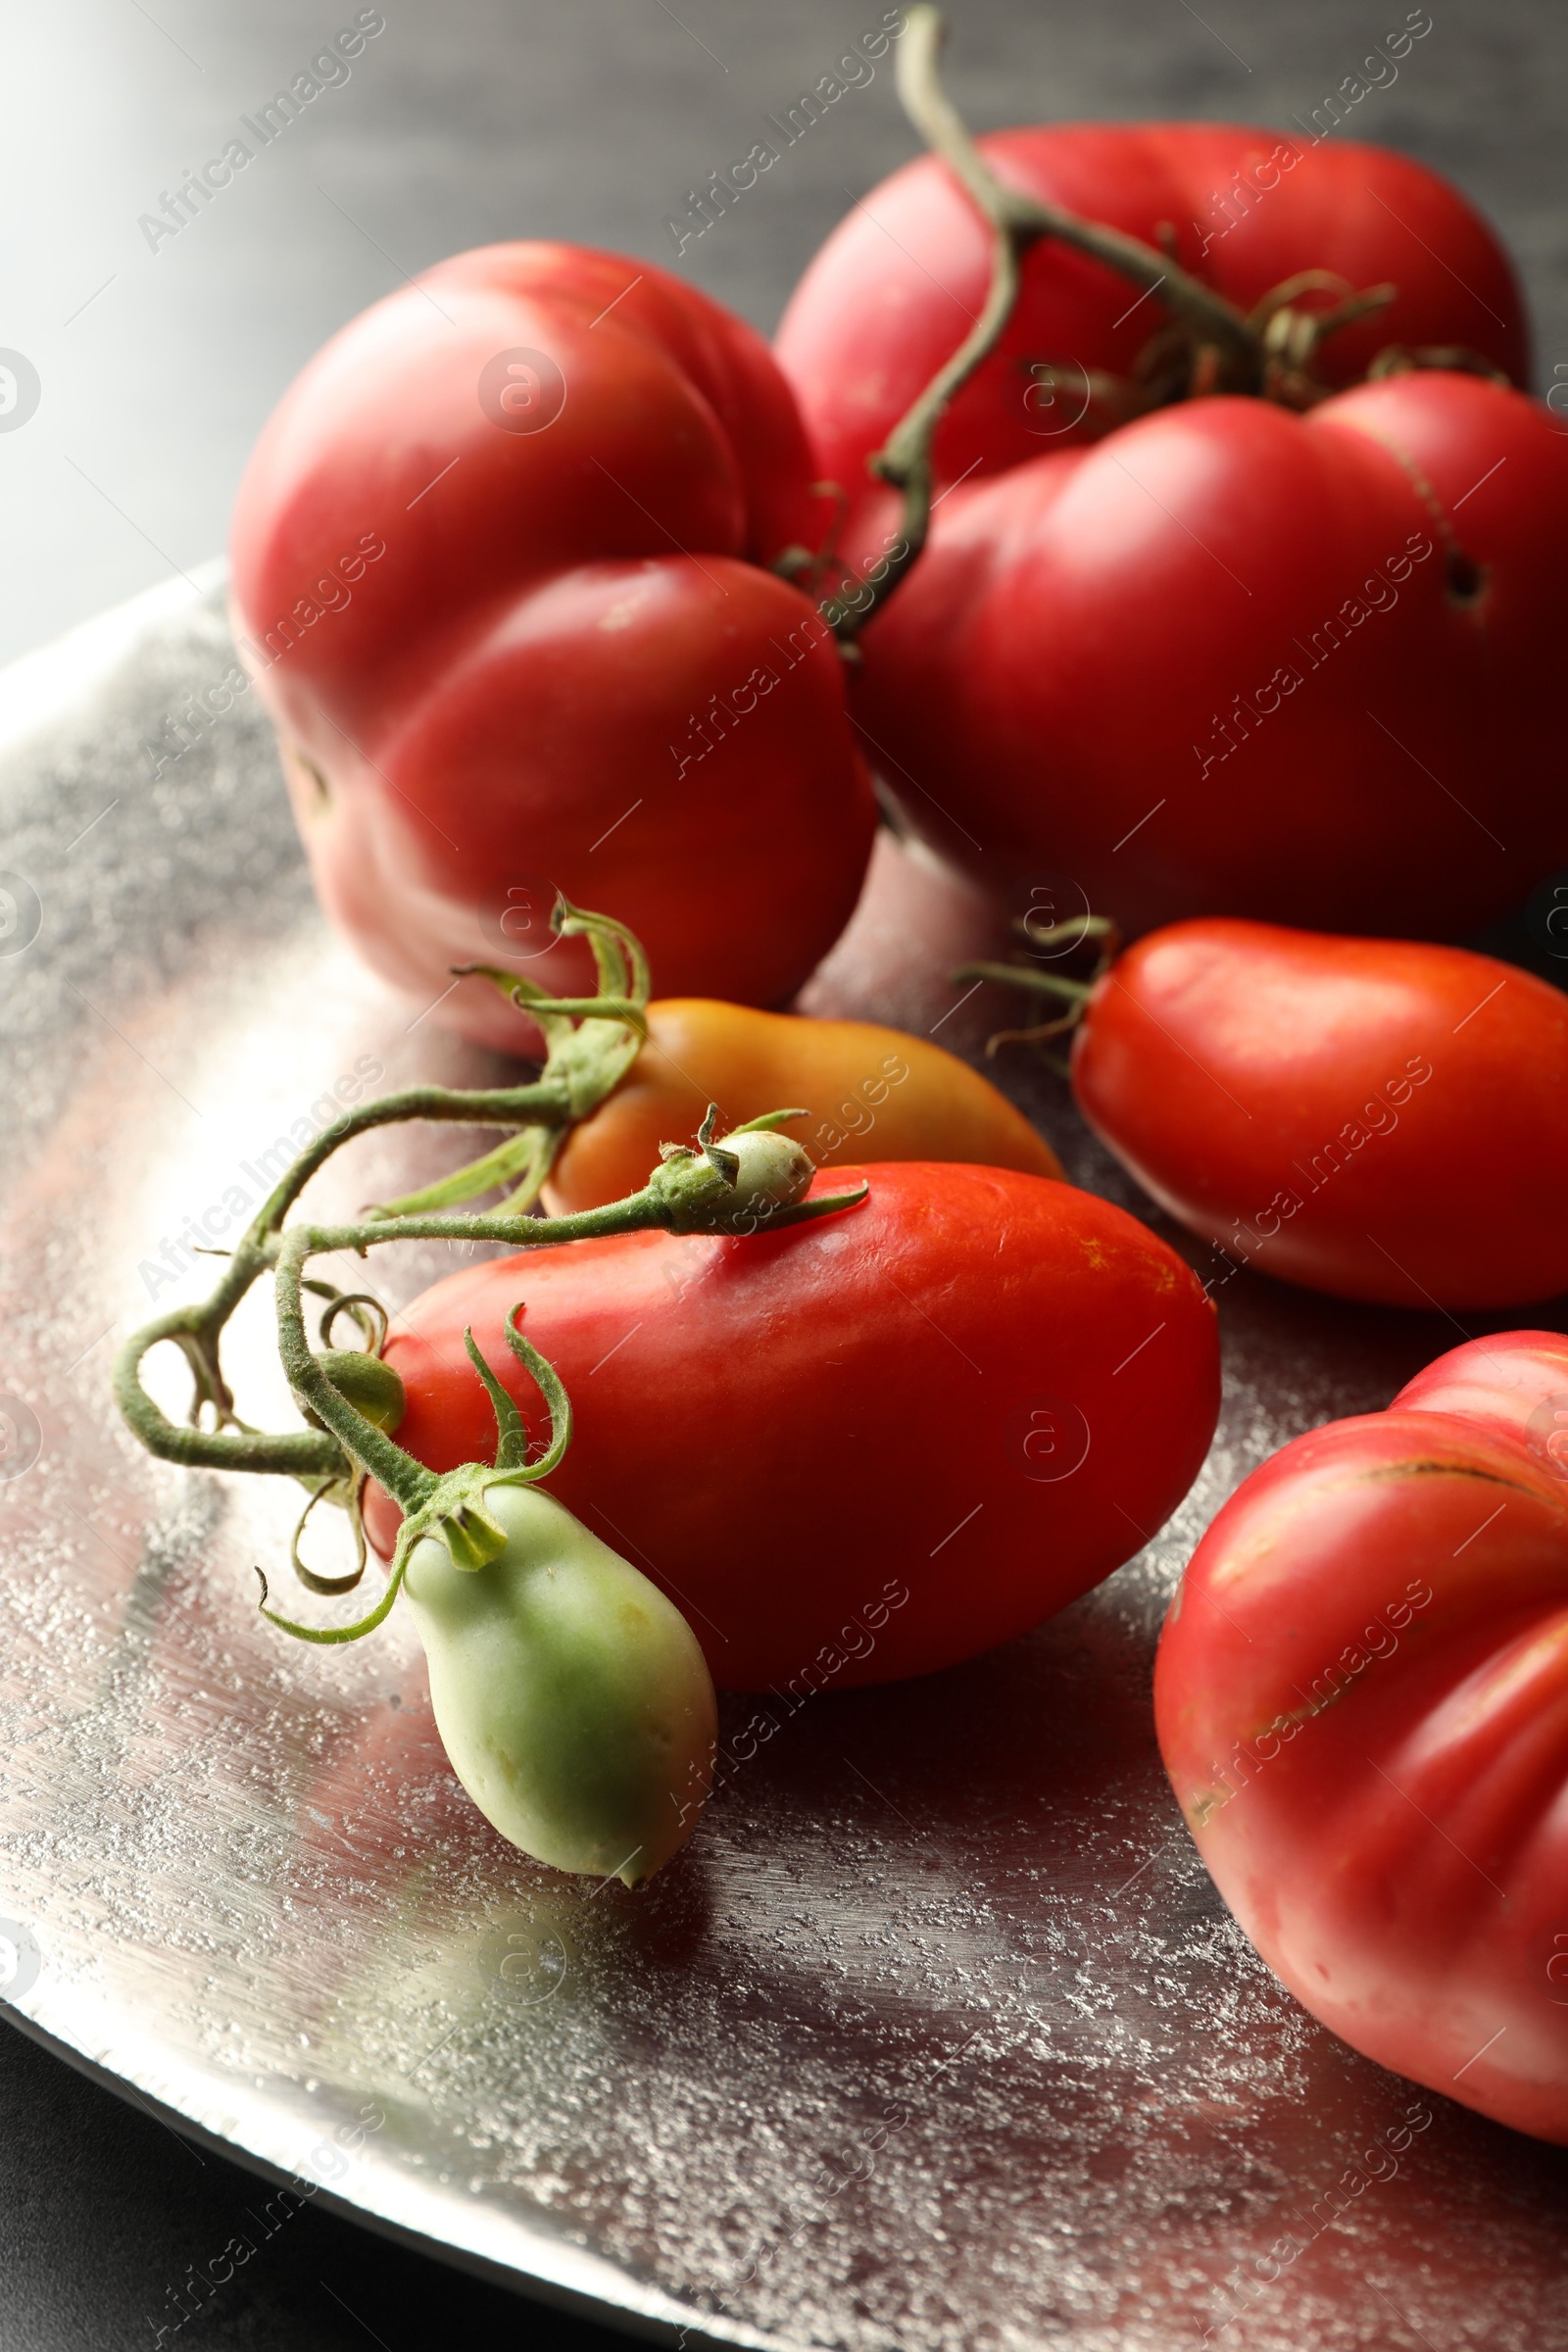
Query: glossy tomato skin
x,y
1371,1117
860,1448
1233,661
505,662
1362,1697
885,301
868,1092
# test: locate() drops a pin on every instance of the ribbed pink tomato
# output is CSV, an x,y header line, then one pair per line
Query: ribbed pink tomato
x,y
1235,661
1362,1697
501,572
1245,209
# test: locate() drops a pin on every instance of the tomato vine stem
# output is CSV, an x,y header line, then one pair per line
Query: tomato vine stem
x,y
1060,987
1017,222
591,1043
1207,346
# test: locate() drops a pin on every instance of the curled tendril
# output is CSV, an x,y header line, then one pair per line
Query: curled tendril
x,y
459,1512
371,1318
336,1633
592,1043
347,1494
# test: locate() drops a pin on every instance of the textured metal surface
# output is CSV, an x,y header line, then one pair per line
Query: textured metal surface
x,y
937,2035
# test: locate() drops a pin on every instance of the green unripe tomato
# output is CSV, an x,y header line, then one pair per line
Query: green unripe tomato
x,y
775,1171
572,1699
771,1172
371,1386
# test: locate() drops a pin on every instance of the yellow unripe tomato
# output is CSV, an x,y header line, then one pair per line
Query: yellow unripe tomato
x,y
870,1093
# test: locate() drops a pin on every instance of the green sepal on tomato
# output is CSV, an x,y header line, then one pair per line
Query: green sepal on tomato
x,y
1362,1697
1376,1118
571,1698
1245,207
1285,651
987,1385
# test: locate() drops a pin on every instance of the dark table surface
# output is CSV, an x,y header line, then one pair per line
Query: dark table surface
x,y
461,124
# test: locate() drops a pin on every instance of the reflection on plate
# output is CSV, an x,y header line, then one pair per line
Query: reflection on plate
x,y
937,2035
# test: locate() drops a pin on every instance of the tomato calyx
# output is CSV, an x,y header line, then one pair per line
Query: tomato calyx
x,y
743,1180
591,1043
1289,336
360,1374
566,1729
452,1507
366,1381
1284,337
1017,222
1058,987
1208,345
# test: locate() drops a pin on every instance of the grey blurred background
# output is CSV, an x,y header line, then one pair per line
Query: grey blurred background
x,y
476,120
464,122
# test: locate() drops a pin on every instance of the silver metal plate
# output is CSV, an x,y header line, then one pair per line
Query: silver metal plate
x,y
937,2035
